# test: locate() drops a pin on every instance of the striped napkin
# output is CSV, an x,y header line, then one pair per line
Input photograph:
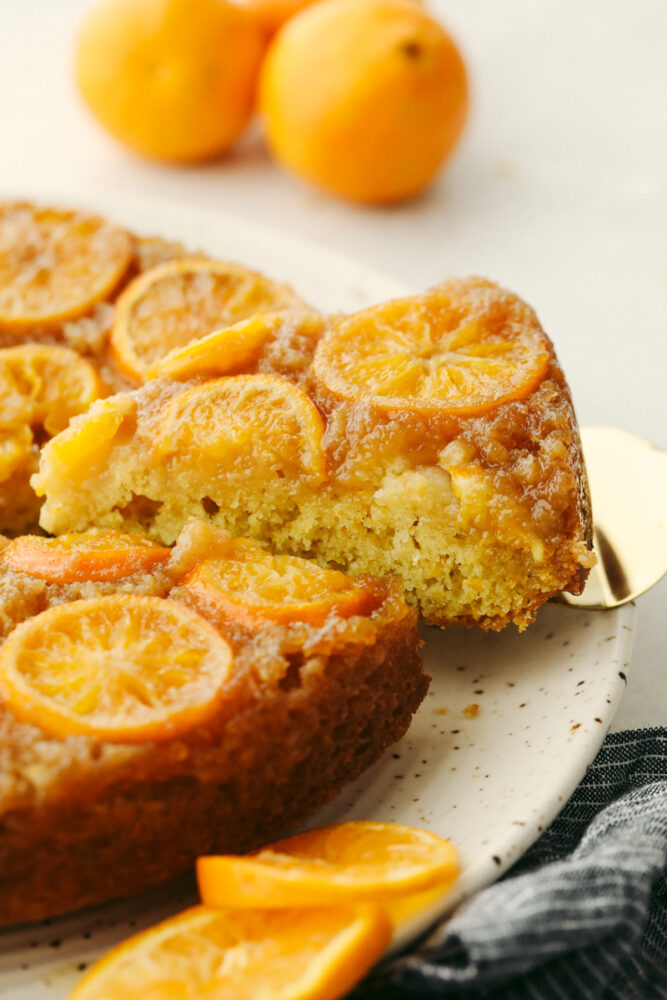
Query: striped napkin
x,y
582,915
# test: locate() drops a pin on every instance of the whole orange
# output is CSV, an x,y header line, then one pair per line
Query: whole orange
x,y
172,79
365,98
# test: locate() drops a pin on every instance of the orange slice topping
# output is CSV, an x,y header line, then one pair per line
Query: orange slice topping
x,y
45,385
460,349
125,669
222,352
208,953
99,554
55,265
258,425
246,584
334,864
183,300
83,449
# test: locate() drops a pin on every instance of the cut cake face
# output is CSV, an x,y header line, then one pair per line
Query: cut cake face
x,y
432,437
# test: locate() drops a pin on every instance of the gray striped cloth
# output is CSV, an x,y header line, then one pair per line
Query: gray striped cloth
x,y
582,915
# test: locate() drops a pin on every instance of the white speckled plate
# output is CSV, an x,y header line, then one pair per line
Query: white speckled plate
x,y
504,736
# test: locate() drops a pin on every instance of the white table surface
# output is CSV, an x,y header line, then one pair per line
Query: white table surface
x,y
558,191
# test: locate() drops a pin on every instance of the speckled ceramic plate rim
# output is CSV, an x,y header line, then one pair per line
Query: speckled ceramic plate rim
x,y
55,951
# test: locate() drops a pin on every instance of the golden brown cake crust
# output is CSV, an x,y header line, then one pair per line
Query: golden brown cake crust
x,y
483,513
308,709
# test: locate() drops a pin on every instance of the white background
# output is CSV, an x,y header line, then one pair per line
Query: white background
x,y
558,191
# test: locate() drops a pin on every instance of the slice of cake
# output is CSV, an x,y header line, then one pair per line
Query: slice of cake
x,y
432,437
157,705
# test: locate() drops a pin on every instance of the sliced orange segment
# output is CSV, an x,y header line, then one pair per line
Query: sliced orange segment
x,y
223,352
124,668
460,349
55,265
98,554
46,385
207,953
183,300
83,449
331,865
246,584
261,424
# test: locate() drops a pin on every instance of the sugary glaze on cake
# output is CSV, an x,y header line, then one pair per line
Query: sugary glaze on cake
x,y
307,709
481,508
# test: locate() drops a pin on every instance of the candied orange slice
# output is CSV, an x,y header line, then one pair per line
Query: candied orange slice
x,y
98,554
183,300
223,352
330,865
46,385
262,423
83,449
280,955
460,349
246,584
55,265
124,668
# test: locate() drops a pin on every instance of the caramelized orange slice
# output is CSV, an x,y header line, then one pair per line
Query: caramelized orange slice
x,y
460,349
125,669
207,953
98,554
183,300
246,584
55,265
222,352
84,447
45,385
261,423
334,864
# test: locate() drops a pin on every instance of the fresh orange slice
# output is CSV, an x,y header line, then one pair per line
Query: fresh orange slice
x,y
183,300
334,864
209,953
124,668
262,424
250,586
98,554
223,352
55,265
45,385
460,349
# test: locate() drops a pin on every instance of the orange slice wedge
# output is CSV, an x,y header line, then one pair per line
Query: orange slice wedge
x,y
124,668
461,349
334,864
207,953
262,425
250,586
180,301
55,265
223,352
45,385
99,554
84,447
